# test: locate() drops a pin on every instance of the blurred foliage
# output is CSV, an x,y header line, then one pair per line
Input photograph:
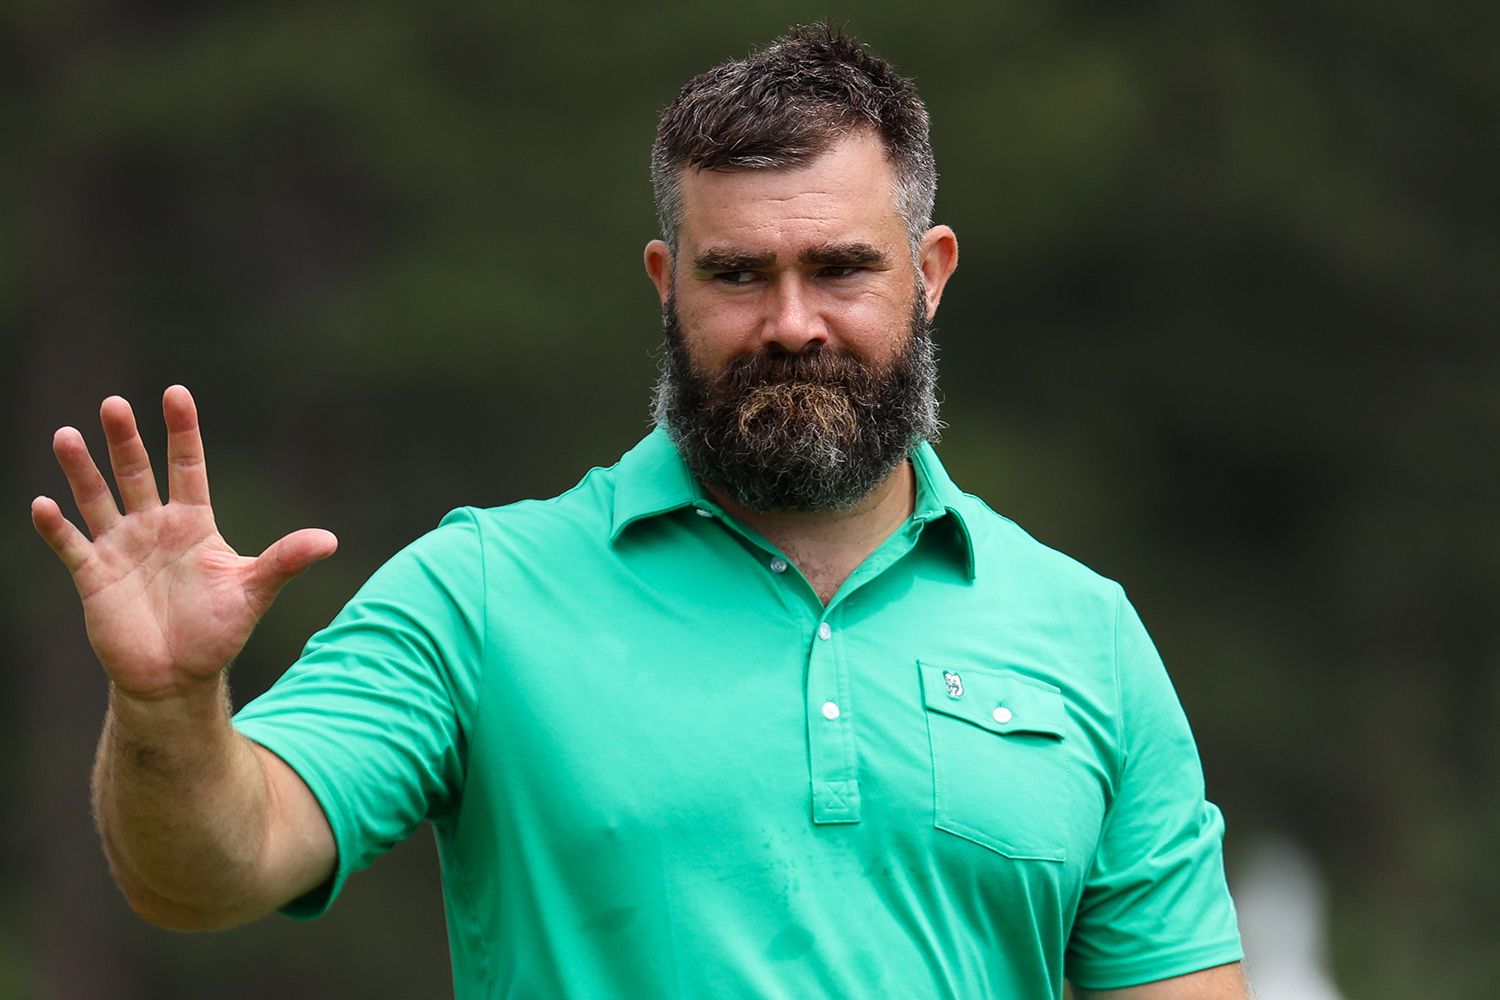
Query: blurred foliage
x,y
1223,330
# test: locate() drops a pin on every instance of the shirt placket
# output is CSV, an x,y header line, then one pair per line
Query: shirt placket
x,y
831,714
833,756
834,759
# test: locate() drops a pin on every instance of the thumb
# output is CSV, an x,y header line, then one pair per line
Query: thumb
x,y
288,557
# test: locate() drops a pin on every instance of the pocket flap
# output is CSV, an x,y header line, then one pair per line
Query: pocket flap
x,y
1001,701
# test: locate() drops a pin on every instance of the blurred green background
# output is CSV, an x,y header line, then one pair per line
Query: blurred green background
x,y
1224,329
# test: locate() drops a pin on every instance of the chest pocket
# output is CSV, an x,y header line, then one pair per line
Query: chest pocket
x,y
999,762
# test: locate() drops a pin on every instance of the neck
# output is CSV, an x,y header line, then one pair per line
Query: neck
x,y
828,545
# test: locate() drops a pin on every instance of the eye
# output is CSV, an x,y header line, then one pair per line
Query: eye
x,y
735,277
841,271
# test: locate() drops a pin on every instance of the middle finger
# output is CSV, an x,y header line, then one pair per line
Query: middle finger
x,y
127,455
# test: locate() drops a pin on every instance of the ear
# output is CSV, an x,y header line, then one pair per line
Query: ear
x,y
937,257
658,258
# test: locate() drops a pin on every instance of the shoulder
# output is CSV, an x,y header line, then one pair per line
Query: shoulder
x,y
1004,551
580,516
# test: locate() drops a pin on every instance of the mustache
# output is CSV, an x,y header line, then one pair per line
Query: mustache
x,y
821,366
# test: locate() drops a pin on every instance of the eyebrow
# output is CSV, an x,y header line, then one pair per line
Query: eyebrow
x,y
851,254
719,259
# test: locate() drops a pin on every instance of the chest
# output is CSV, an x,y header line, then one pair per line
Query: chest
x,y
706,730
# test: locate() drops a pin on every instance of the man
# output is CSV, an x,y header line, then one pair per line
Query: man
x,y
768,709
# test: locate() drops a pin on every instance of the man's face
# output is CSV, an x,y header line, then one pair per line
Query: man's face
x,y
791,259
799,371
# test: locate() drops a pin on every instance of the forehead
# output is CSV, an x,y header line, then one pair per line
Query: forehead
x,y
847,193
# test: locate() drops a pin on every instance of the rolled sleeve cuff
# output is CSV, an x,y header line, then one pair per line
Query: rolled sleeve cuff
x,y
1116,974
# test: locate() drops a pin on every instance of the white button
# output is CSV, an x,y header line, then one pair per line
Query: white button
x,y
824,631
705,513
778,565
830,711
1001,715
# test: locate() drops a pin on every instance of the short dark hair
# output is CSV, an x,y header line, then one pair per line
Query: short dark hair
x,y
785,105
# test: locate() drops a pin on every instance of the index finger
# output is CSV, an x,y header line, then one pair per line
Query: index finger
x,y
187,474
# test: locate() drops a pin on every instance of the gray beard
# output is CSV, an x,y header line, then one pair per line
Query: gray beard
x,y
814,431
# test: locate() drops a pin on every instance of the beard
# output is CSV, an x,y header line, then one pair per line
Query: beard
x,y
813,431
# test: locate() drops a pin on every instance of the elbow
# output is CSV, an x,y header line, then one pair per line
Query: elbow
x,y
174,916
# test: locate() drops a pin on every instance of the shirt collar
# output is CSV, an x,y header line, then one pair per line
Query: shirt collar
x,y
939,495
652,478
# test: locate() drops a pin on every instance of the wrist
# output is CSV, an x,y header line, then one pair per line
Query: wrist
x,y
188,711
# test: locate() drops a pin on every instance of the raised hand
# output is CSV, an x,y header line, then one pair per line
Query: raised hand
x,y
167,602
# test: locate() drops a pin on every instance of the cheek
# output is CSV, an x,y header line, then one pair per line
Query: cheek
x,y
874,326
716,331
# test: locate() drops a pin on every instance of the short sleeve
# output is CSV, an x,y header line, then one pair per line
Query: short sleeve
x,y
1155,903
373,715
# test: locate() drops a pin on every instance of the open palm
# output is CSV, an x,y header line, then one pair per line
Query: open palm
x,y
167,602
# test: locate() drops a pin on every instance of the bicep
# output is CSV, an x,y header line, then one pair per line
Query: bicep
x,y
1222,982
300,853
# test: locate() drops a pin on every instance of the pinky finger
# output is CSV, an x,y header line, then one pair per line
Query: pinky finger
x,y
70,544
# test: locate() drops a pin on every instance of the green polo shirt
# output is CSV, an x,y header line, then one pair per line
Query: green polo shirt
x,y
658,766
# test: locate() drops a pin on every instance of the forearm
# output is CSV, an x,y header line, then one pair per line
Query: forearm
x,y
202,827
183,807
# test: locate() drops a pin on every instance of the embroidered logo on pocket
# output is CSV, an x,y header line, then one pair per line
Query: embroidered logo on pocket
x,y
955,684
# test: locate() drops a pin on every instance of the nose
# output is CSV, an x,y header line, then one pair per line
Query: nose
x,y
791,322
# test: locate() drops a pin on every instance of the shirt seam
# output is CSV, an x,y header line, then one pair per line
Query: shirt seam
x,y
486,964
1121,730
484,638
